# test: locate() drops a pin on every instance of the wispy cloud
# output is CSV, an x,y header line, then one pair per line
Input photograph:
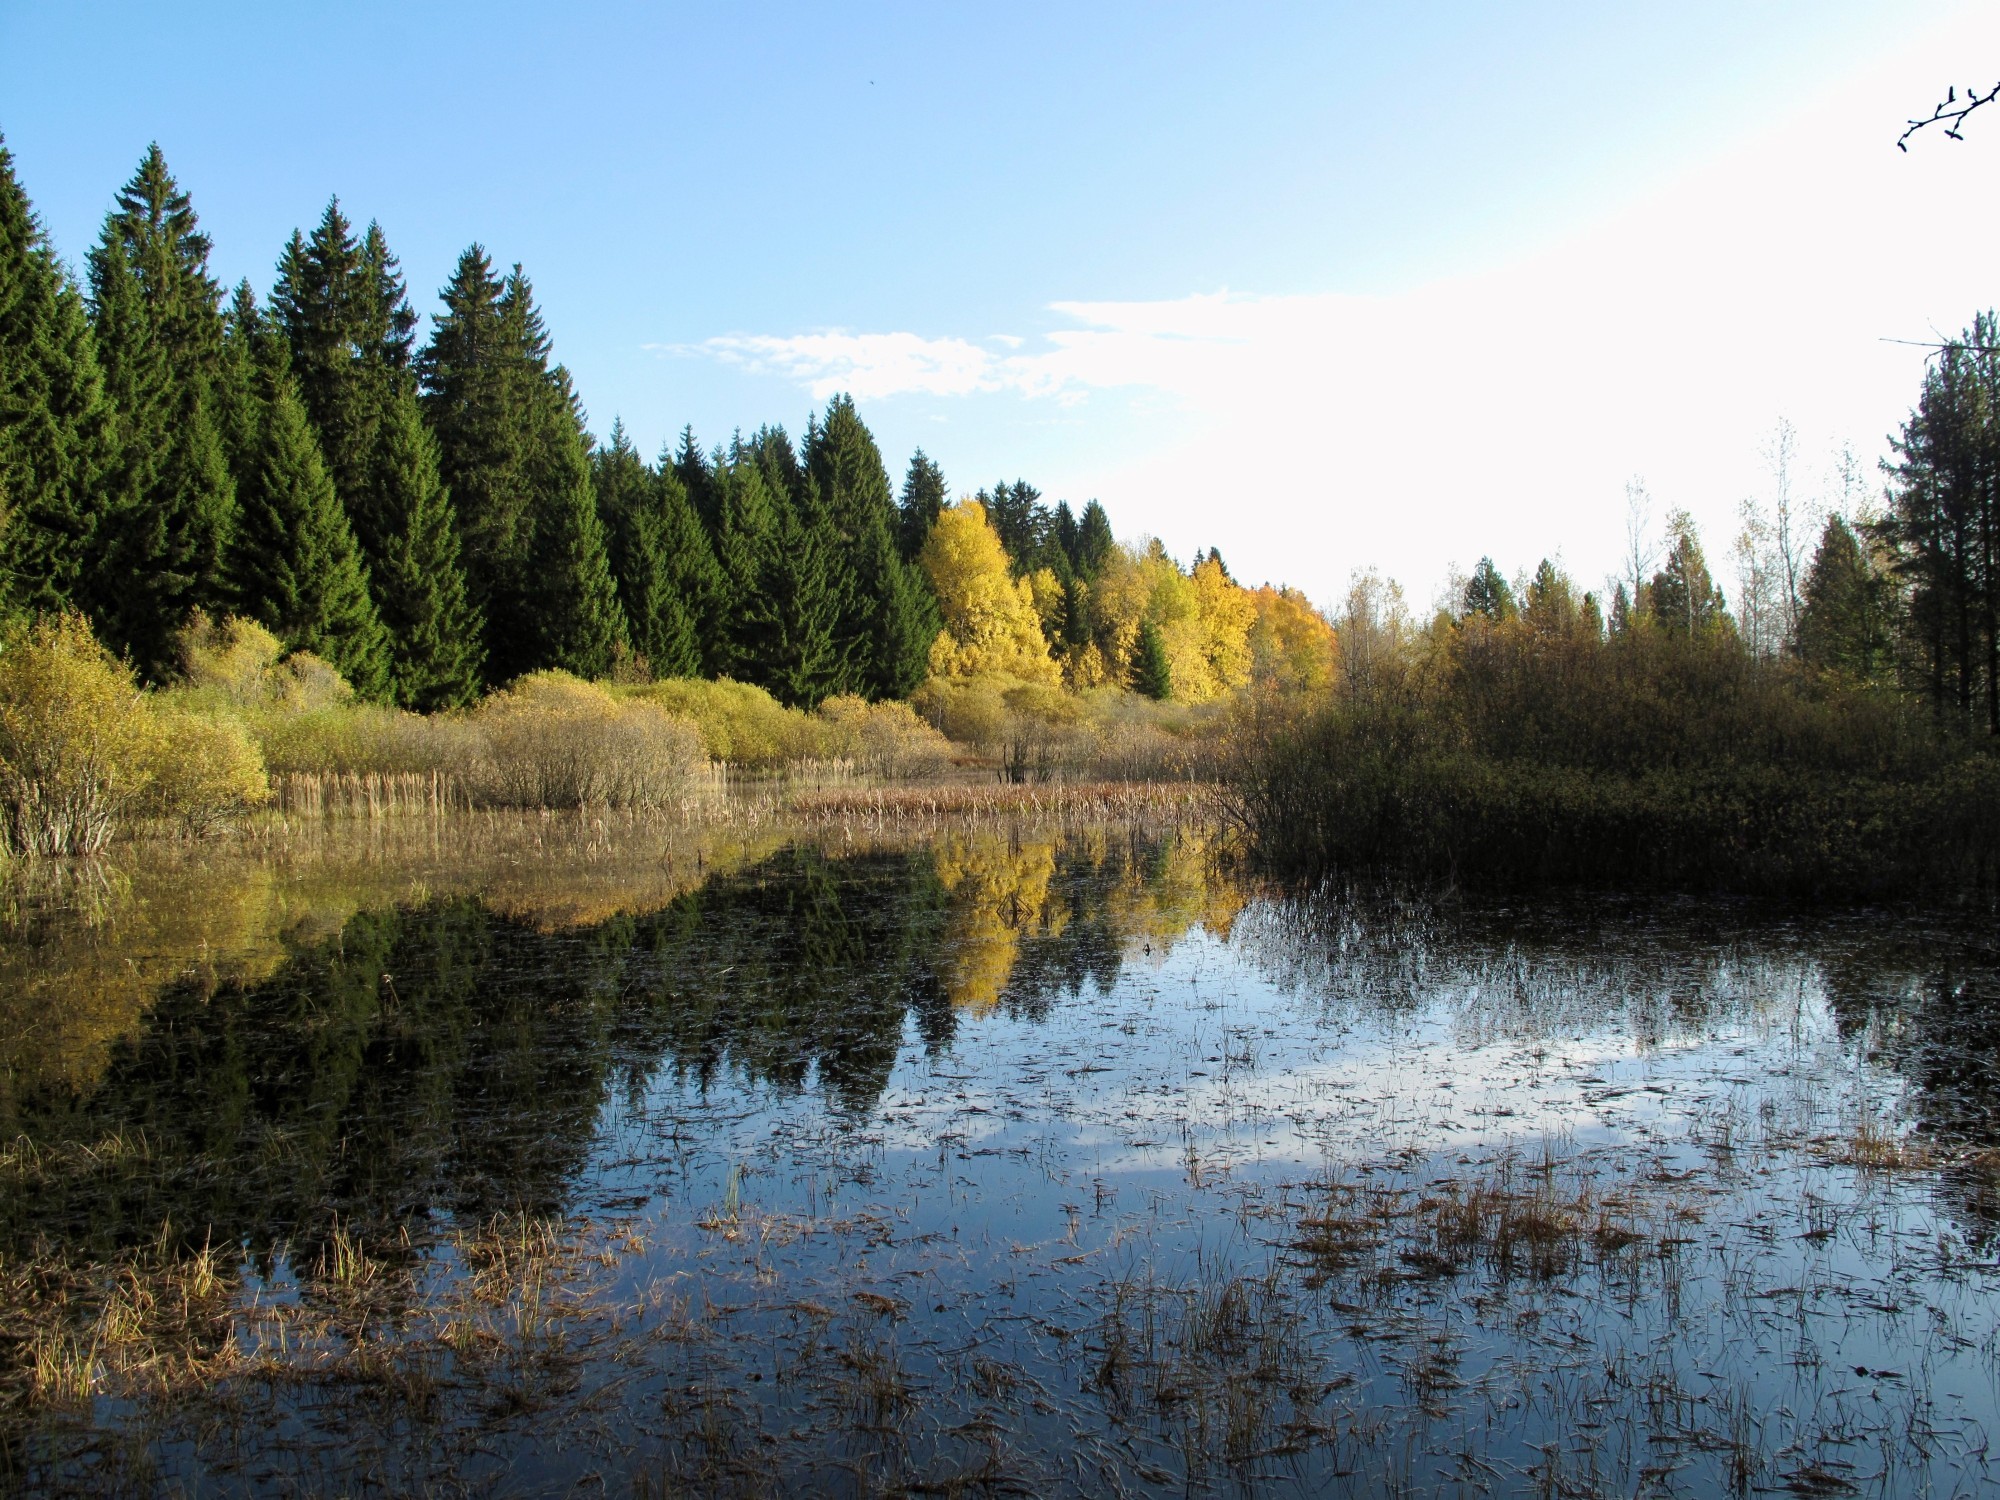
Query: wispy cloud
x,y
1195,346
871,366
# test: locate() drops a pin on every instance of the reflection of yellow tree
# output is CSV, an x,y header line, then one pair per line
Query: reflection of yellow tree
x,y
75,984
999,888
1162,897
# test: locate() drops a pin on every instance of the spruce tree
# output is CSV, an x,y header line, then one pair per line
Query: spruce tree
x,y
159,334
347,320
1683,599
298,566
576,621
693,576
477,392
1094,541
904,619
852,505
697,477
434,631
55,424
251,353
924,495
1487,594
770,448
801,663
1843,626
657,620
1152,674
746,538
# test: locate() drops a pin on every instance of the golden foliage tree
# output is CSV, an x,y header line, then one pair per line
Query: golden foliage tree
x,y
1203,617
1292,647
991,625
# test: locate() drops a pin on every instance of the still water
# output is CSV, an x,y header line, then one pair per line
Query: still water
x,y
1000,1157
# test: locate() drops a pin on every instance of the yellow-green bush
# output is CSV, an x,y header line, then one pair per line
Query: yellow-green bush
x,y
1038,731
76,741
204,768
552,740
739,723
238,663
364,739
885,739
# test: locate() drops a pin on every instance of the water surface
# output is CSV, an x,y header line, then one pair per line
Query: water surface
x,y
998,1157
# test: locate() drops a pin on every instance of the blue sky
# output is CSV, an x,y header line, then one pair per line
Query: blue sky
x,y
1325,285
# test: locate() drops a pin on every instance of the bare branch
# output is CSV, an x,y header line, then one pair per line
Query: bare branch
x,y
1951,113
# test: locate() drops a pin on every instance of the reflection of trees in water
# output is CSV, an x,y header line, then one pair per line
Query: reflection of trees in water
x,y
1035,924
1917,996
1535,972
445,1059
1924,1002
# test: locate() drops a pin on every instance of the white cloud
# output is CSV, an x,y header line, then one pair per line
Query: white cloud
x,y
870,366
1501,412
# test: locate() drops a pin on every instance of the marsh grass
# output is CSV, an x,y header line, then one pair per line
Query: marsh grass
x,y
1542,1219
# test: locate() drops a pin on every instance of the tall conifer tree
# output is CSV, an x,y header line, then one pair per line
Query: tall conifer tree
x,y
657,620
159,335
746,539
575,619
1094,541
341,303
435,632
696,474
924,495
853,505
299,567
693,575
54,421
478,395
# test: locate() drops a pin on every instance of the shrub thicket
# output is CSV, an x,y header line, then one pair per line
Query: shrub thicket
x,y
738,722
1495,754
553,740
82,749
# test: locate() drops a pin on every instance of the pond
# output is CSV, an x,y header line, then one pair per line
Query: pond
x,y
1006,1155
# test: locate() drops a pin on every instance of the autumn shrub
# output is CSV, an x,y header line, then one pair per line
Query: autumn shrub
x,y
237,663
366,739
76,739
552,740
887,739
205,769
738,723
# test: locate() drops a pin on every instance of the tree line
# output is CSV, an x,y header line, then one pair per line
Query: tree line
x,y
432,519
